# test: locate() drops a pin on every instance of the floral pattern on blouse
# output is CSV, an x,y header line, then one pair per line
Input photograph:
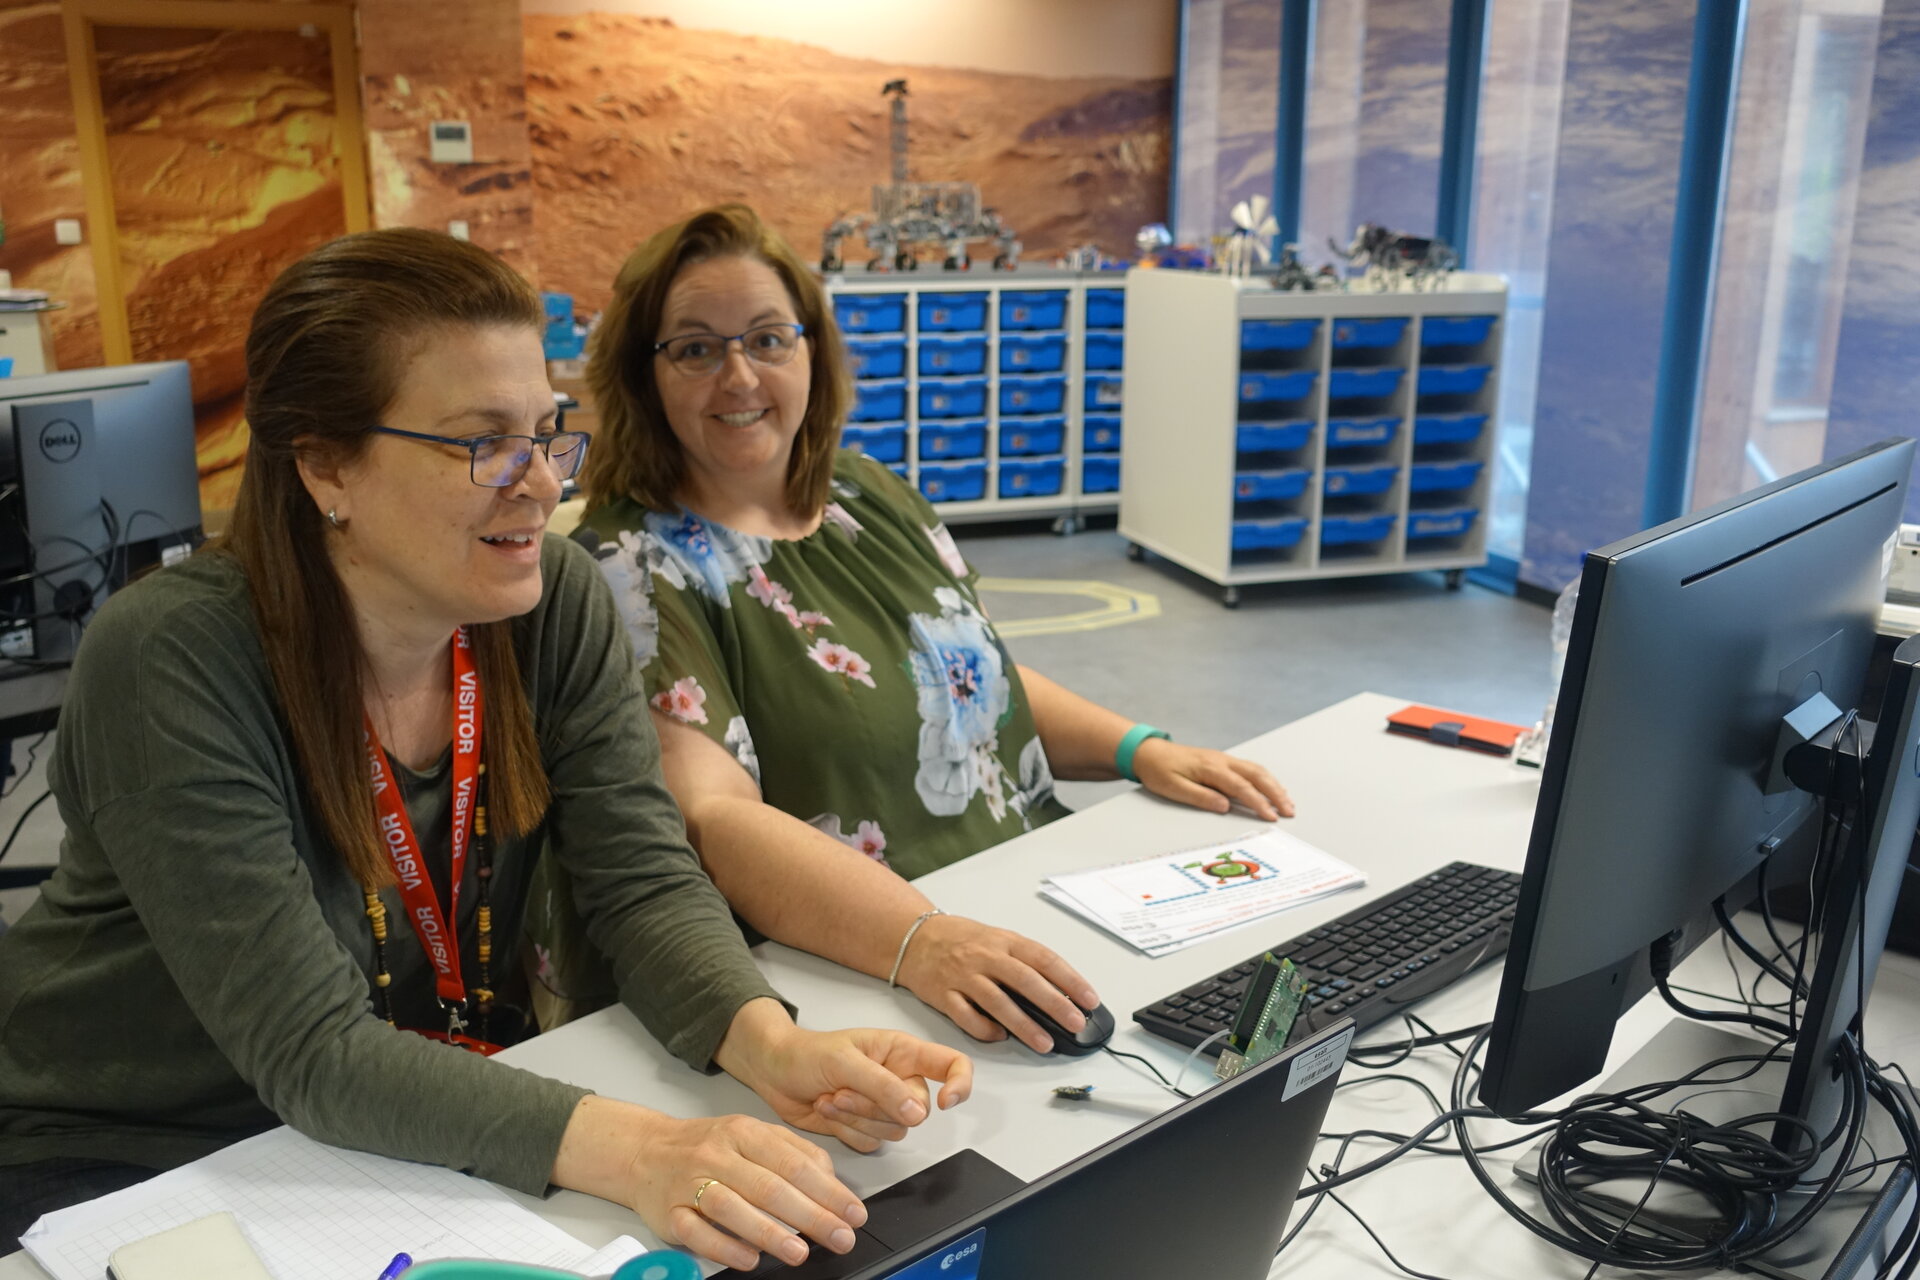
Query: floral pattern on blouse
x,y
851,672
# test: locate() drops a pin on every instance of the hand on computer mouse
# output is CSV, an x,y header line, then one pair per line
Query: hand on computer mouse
x,y
965,969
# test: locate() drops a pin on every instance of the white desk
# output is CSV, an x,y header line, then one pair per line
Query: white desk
x,y
1394,806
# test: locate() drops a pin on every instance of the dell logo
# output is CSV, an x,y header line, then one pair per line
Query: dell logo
x,y
60,440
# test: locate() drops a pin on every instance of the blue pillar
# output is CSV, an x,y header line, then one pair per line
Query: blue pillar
x,y
1290,130
1719,26
1466,56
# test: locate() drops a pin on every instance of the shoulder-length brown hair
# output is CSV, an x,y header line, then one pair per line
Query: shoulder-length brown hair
x,y
635,454
329,345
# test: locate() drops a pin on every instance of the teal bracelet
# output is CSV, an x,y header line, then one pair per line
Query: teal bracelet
x,y
1123,754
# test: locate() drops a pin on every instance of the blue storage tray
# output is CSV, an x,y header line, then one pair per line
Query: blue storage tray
x,y
881,443
1349,432
1453,379
562,341
1350,384
1102,433
1105,350
877,357
1019,436
1448,428
1256,388
1455,331
1361,481
557,306
1344,531
1270,486
944,440
1033,395
1034,478
1043,353
1441,524
1435,477
1273,437
1106,308
1103,393
952,357
1382,331
1277,335
953,398
1033,309
1100,475
1268,535
871,312
899,469
879,401
953,312
958,482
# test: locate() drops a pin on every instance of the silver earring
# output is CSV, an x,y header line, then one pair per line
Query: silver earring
x,y
333,517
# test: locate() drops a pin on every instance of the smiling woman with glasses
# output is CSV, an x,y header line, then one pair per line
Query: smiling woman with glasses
x,y
836,713
307,774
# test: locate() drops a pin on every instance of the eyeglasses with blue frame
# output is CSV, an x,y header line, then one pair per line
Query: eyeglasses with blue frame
x,y
500,462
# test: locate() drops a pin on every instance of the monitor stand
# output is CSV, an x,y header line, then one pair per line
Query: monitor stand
x,y
1680,1047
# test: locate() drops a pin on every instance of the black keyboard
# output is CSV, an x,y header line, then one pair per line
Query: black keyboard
x,y
1369,964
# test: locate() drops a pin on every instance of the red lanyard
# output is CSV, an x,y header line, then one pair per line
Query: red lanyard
x,y
437,932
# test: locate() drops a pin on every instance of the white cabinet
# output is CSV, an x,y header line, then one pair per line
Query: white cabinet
x,y
1282,435
998,395
26,339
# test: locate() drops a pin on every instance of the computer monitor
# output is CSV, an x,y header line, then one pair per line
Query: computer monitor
x,y
100,481
1713,661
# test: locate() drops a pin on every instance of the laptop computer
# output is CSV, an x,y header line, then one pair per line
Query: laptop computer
x,y
1238,1151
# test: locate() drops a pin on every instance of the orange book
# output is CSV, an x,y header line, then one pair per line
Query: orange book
x,y
1451,729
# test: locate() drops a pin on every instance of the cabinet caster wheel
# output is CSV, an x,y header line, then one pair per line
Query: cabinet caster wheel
x,y
1230,597
1065,527
1136,552
1455,578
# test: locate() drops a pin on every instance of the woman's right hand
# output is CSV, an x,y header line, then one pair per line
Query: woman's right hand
x,y
964,968
756,1176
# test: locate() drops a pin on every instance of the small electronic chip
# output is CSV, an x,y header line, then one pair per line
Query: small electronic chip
x,y
1274,995
1074,1092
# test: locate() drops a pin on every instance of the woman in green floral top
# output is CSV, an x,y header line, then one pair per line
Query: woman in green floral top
x,y
836,713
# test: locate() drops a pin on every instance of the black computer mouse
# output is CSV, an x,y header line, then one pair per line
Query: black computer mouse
x,y
1098,1030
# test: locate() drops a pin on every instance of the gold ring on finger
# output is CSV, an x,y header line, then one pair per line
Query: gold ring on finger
x,y
710,1182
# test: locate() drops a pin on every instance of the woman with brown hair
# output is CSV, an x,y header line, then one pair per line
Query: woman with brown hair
x,y
305,777
836,713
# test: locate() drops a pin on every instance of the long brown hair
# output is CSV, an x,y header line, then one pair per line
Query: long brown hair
x,y
636,454
325,355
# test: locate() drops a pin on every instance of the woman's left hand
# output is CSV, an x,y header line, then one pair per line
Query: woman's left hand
x,y
1207,779
863,1086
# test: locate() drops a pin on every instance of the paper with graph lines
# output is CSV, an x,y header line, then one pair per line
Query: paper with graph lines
x,y
311,1212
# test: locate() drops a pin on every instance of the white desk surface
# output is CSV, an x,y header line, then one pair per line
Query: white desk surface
x,y
1395,807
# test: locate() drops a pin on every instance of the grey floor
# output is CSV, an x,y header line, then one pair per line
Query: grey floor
x,y
1205,673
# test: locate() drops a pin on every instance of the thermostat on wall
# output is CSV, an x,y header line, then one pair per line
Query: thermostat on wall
x,y
452,142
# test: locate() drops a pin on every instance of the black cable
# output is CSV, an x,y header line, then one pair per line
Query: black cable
x,y
21,821
33,749
1418,1275
1119,1053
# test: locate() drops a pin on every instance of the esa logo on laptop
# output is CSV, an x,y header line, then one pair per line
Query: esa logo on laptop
x,y
958,1261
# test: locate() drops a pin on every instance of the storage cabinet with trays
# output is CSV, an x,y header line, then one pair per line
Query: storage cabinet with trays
x,y
999,395
1278,435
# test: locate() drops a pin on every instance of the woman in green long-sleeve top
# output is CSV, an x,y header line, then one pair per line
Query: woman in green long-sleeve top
x,y
837,715
304,778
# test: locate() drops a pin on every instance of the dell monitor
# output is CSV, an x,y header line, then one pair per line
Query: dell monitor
x,y
101,478
1712,693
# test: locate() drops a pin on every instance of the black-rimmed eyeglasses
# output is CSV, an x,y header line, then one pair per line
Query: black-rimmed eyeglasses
x,y
699,354
499,462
